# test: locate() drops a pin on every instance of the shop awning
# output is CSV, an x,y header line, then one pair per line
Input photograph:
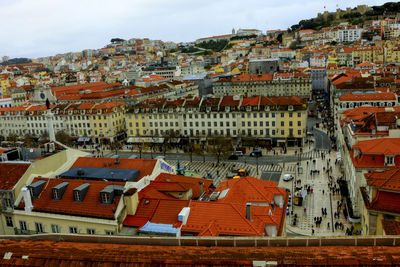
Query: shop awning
x,y
83,139
174,140
158,140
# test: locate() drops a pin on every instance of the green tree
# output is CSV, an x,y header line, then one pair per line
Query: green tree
x,y
29,140
279,38
64,138
44,138
220,147
13,138
116,146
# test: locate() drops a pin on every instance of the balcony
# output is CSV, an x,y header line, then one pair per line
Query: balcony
x,y
24,232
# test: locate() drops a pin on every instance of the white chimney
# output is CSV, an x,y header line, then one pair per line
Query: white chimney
x,y
184,215
27,199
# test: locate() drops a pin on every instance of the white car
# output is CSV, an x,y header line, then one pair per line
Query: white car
x,y
288,177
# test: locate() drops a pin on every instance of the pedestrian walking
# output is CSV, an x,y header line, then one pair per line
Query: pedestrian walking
x,y
305,210
328,225
323,192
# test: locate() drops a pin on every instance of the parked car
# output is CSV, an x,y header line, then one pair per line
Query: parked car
x,y
238,153
256,153
287,177
133,156
233,157
160,157
243,149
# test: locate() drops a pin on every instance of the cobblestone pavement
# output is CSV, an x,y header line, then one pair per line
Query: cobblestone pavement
x,y
321,197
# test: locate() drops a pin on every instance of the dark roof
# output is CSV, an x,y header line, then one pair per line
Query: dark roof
x,y
145,166
111,174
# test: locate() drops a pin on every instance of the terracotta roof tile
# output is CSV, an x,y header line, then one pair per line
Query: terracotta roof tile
x,y
391,227
192,182
47,253
389,180
10,173
90,206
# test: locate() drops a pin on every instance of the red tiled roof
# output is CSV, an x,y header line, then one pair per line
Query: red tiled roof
x,y
145,166
386,146
227,216
222,218
156,211
391,227
389,180
367,97
227,101
249,189
386,201
252,77
89,207
62,253
251,101
187,182
10,173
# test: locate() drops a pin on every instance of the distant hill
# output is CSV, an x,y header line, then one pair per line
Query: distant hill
x,y
13,61
353,16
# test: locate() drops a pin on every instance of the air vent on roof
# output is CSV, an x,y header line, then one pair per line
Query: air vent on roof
x,y
59,190
36,188
80,172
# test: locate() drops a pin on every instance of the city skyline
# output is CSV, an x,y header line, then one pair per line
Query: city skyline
x,y
45,28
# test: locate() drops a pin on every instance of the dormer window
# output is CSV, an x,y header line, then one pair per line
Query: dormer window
x,y
56,194
58,190
80,192
77,196
105,198
389,160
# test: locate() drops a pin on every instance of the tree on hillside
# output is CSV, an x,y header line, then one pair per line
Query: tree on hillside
x,y
279,38
116,40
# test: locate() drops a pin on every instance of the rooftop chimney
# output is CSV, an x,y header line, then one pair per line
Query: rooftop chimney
x,y
248,211
27,199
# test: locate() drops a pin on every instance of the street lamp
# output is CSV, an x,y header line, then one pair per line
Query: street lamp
x,y
257,162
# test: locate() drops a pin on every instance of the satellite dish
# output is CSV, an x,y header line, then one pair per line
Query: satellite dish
x,y
31,150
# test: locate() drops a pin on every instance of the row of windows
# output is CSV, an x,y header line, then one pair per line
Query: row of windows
x,y
54,227
223,115
249,132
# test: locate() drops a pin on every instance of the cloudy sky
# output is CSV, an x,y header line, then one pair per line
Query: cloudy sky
x,y
35,28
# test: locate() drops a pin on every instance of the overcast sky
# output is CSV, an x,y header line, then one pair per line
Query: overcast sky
x,y
35,28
